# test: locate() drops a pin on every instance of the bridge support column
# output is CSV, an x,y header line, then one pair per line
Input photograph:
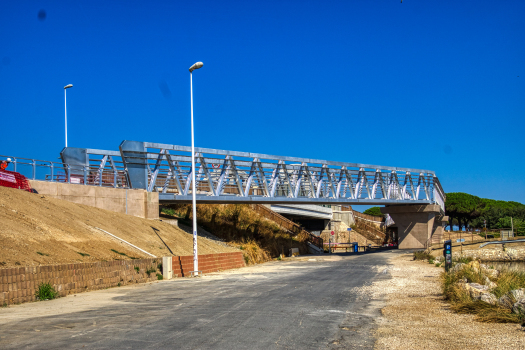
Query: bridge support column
x,y
416,224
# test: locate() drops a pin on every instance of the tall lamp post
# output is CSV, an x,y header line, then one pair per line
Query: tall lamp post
x,y
65,106
194,191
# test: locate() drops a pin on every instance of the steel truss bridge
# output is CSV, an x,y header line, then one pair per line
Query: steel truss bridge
x,y
244,177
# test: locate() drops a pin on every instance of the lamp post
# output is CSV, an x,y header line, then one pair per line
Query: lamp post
x,y
194,191
65,106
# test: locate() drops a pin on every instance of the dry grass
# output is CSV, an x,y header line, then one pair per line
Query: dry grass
x,y
259,238
462,302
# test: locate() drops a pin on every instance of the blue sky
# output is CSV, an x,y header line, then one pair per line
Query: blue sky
x,y
423,84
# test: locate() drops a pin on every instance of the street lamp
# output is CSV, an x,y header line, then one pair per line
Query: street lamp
x,y
65,106
194,191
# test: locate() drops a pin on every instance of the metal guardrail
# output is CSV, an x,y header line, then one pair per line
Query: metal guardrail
x,y
94,175
502,242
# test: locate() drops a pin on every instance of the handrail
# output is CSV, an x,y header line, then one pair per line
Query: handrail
x,y
369,232
287,224
50,171
502,242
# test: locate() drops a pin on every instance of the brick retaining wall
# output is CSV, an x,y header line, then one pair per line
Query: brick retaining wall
x,y
182,265
19,284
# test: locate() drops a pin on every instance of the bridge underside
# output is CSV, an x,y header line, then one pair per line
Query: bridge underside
x,y
167,198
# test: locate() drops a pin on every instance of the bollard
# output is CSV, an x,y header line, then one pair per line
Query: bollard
x,y
167,267
447,253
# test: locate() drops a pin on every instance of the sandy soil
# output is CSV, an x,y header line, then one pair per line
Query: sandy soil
x,y
35,229
417,317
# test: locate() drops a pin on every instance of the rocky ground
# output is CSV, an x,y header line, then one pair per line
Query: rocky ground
x,y
417,316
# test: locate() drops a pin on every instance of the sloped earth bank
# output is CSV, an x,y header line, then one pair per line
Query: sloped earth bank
x,y
417,317
38,230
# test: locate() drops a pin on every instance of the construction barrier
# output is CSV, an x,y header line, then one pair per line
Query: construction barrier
x,y
14,180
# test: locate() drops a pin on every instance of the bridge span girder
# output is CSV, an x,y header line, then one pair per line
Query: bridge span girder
x,y
244,177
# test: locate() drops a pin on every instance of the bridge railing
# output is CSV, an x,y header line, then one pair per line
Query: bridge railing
x,y
242,174
43,170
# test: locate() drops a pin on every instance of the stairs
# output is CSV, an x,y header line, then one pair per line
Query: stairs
x,y
288,225
369,232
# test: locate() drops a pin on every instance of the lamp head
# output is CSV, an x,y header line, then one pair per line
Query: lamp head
x,y
68,86
196,66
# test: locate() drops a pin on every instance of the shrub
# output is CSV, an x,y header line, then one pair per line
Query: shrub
x,y
462,259
137,269
159,277
46,291
168,211
422,255
151,270
462,302
507,281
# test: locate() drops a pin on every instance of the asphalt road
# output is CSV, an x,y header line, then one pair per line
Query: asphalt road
x,y
279,305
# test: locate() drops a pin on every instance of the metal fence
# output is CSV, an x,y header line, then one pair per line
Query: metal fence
x,y
93,174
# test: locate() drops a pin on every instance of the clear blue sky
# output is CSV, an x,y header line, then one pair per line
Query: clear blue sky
x,y
430,84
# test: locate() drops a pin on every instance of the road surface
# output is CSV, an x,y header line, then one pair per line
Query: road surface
x,y
307,303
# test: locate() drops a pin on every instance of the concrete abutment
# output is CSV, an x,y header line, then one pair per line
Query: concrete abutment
x,y
417,225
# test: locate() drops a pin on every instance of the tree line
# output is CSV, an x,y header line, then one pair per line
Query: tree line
x,y
469,212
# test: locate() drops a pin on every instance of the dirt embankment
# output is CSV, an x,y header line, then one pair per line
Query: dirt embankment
x,y
35,229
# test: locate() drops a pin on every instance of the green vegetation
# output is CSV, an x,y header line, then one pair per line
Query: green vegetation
x,y
83,254
168,211
468,211
137,269
123,254
46,291
375,211
151,270
159,277
43,254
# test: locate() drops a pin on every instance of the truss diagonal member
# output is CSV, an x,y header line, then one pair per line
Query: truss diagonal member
x,y
253,172
319,184
155,172
274,179
421,180
298,181
427,187
167,181
340,182
350,183
235,172
330,176
407,182
102,165
174,170
376,182
261,177
224,176
287,180
204,169
187,185
311,191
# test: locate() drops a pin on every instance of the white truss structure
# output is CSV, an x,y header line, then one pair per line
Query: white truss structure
x,y
242,177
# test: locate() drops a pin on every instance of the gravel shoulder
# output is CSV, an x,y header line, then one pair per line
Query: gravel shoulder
x,y
417,317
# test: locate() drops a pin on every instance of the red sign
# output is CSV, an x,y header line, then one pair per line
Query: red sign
x,y
333,233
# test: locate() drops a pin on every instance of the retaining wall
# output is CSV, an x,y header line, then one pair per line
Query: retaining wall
x,y
182,265
127,201
19,284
